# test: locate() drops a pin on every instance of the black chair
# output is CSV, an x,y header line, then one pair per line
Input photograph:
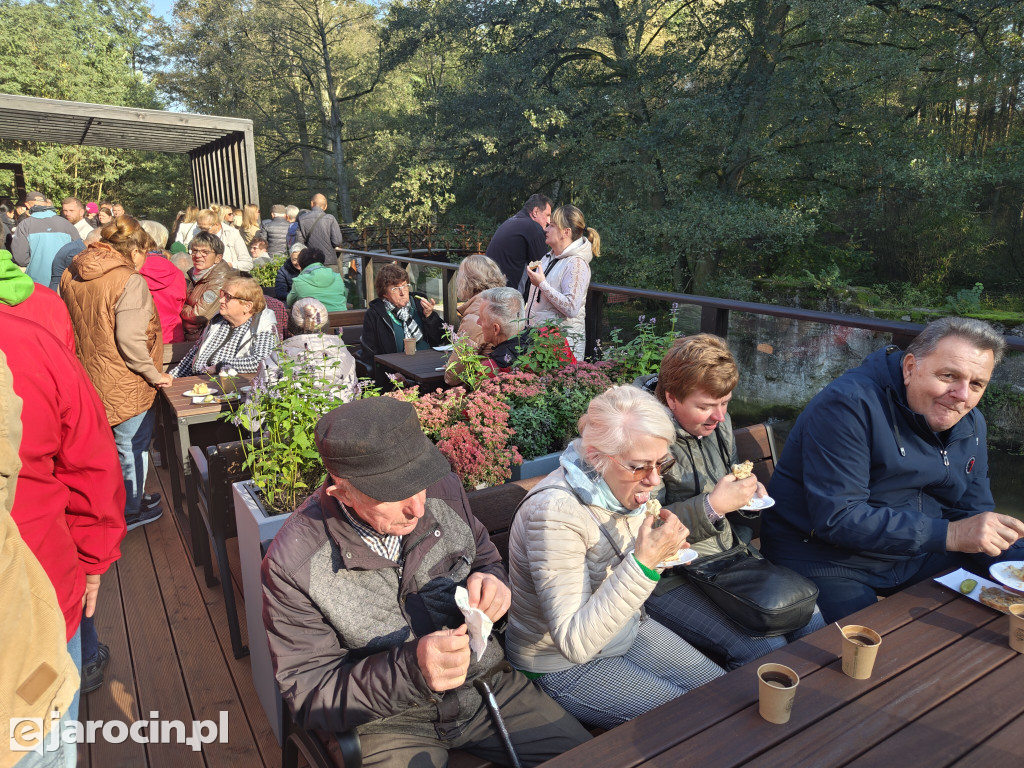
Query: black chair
x,y
222,465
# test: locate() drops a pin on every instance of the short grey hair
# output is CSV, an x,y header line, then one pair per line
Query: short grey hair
x,y
616,419
978,333
157,231
506,307
291,211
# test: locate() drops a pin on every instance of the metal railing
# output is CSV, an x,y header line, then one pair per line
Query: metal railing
x,y
714,312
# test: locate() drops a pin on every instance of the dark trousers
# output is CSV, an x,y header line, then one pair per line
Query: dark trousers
x,y
539,727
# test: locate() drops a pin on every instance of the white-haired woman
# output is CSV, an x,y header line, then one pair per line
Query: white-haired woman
x,y
583,558
559,283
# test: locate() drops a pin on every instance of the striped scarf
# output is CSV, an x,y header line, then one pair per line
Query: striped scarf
x,y
405,316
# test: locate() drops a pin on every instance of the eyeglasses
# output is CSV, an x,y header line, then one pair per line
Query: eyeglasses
x,y
642,470
228,297
403,288
200,252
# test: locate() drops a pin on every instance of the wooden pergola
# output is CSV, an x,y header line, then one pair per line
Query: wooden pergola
x,y
221,151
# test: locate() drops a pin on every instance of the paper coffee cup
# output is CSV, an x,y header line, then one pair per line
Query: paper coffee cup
x,y
1017,628
860,646
776,688
410,345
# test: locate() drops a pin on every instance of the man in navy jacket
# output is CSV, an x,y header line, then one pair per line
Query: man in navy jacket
x,y
520,240
884,479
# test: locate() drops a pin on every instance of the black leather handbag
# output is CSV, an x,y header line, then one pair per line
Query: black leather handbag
x,y
759,597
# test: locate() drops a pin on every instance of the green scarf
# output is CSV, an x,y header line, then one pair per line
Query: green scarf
x,y
15,285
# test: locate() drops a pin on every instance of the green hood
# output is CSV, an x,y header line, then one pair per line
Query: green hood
x,y
15,285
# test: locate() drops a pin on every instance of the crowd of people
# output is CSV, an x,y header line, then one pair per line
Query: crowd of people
x,y
882,483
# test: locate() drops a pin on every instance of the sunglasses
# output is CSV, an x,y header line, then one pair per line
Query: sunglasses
x,y
642,470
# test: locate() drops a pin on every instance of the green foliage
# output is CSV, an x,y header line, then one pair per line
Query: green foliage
x,y
547,350
266,275
85,50
466,362
283,458
966,301
642,354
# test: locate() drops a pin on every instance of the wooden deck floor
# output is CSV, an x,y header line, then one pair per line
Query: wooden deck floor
x,y
171,655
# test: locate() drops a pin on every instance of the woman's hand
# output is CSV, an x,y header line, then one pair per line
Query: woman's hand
x,y
427,305
656,545
165,381
731,493
536,274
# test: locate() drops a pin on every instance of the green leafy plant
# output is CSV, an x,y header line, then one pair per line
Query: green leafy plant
x,y
966,301
546,351
642,354
465,362
266,275
282,415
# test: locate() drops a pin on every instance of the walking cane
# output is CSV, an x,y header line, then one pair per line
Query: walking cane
x,y
499,723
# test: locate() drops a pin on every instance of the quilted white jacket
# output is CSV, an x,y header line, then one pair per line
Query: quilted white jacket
x,y
574,599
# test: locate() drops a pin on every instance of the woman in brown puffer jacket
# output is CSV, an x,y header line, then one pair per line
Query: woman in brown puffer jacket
x,y
119,341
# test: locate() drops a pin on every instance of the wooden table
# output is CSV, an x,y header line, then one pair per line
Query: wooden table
x,y
420,368
946,691
182,413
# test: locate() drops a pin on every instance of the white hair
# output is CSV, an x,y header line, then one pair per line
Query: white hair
x,y
614,421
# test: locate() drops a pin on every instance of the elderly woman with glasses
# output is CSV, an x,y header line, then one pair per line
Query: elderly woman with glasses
x,y
203,283
239,337
584,557
396,314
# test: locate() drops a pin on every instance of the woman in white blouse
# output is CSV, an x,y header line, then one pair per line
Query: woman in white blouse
x,y
558,290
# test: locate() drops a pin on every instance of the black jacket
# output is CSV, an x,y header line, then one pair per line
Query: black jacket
x,y
378,337
516,243
275,232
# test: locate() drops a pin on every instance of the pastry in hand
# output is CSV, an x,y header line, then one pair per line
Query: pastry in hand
x,y
652,508
744,470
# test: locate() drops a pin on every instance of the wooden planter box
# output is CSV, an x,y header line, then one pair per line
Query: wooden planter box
x,y
255,527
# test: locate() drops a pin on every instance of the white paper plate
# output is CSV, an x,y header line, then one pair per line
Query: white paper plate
x,y
444,348
956,578
1001,573
683,556
190,393
757,503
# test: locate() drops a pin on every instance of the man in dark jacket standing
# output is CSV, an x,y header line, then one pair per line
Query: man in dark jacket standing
x,y
360,605
319,229
520,240
275,231
884,479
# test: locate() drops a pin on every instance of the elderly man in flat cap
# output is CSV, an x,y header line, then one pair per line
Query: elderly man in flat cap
x,y
359,604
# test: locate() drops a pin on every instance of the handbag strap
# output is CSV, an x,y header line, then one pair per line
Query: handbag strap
x,y
572,491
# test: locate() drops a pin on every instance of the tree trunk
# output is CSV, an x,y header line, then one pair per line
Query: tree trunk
x,y
344,203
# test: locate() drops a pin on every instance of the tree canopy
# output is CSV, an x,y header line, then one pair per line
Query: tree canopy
x,y
711,143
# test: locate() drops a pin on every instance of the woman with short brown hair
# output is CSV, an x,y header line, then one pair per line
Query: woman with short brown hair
x,y
393,316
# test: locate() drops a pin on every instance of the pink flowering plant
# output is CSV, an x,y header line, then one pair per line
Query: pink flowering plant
x,y
471,429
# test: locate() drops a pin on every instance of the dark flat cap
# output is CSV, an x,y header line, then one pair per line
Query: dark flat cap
x,y
377,445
